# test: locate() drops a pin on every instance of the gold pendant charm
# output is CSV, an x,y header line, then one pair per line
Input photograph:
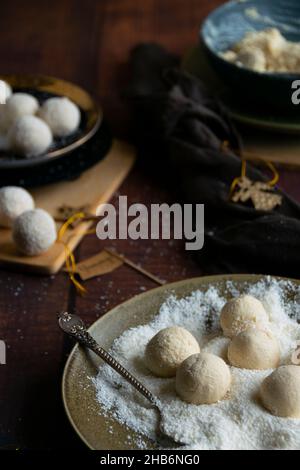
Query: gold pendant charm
x,y
261,194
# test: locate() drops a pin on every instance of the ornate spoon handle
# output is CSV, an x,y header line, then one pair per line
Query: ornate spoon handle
x,y
74,326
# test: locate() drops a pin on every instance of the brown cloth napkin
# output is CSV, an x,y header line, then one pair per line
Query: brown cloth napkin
x,y
180,129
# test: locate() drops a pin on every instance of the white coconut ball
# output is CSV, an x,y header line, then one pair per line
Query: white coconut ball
x,y
13,202
61,115
7,89
34,232
18,105
203,379
6,92
30,136
280,392
242,313
168,348
254,349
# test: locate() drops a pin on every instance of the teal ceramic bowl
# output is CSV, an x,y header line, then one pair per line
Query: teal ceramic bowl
x,y
228,24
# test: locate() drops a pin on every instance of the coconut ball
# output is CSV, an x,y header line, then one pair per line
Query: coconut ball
x,y
34,232
61,115
4,97
254,349
242,313
30,136
7,89
18,105
280,392
13,202
168,348
203,379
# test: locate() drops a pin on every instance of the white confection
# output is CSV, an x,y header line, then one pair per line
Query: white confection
x,y
8,89
61,115
254,349
203,379
13,202
168,348
18,105
8,93
242,313
280,392
265,51
34,232
30,136
237,422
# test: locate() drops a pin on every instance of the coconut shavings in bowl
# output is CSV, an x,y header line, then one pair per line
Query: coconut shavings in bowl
x,y
238,422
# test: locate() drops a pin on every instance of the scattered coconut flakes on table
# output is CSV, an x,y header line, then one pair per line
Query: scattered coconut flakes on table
x,y
237,422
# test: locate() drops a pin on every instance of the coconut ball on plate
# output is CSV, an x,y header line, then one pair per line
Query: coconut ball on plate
x,y
61,115
280,392
13,202
242,313
254,349
4,97
19,104
34,232
203,379
30,136
168,348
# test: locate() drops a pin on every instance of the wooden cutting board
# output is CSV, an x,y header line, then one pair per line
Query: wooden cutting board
x,y
93,187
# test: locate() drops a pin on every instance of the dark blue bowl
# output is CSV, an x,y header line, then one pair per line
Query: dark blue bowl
x,y
228,24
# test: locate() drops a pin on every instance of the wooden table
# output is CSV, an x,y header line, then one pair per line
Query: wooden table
x,y
86,42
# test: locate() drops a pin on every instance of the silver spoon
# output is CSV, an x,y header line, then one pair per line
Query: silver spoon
x,y
75,327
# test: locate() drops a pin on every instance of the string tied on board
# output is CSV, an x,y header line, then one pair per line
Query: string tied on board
x,y
70,258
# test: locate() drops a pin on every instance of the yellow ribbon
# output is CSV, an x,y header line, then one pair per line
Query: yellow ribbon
x,y
225,146
70,258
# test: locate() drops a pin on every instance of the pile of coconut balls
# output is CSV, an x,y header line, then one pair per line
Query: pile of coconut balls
x,y
33,230
28,128
204,378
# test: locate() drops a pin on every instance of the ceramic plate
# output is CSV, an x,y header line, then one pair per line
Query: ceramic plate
x,y
228,24
195,62
97,431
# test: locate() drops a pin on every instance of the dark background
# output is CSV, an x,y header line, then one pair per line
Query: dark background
x,y
88,42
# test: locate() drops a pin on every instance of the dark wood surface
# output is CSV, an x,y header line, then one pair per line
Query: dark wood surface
x,y
87,42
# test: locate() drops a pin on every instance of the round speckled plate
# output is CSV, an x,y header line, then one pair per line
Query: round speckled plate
x,y
97,431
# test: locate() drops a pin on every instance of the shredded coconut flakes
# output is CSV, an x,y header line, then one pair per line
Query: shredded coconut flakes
x,y
237,422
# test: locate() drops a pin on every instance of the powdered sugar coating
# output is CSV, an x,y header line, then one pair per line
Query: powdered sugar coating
x,y
239,421
13,202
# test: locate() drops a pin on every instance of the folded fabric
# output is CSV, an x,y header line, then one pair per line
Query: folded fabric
x,y
181,129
